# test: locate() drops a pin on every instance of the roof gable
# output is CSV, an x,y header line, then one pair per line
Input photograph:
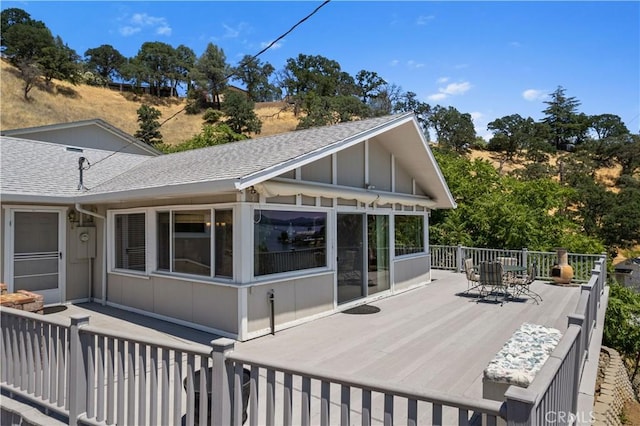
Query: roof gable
x,y
95,133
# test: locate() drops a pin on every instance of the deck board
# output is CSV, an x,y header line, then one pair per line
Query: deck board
x,y
426,338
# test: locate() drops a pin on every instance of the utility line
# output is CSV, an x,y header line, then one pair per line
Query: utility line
x,y
283,35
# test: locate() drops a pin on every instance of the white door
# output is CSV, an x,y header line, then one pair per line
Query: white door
x,y
35,252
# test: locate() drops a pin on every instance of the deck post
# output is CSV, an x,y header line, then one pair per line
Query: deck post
x,y
221,396
459,259
578,320
520,404
525,257
77,369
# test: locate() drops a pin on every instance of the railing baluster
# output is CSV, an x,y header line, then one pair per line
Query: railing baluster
x,y
38,357
287,400
164,406
238,394
111,364
189,374
142,383
177,388
31,367
100,380
153,386
345,405
366,407
131,382
271,397
203,400
122,350
253,396
90,371
61,367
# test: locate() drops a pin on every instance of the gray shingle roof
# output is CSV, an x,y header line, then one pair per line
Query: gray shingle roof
x,y
237,160
46,169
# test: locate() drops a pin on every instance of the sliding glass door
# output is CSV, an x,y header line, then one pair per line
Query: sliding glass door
x,y
362,240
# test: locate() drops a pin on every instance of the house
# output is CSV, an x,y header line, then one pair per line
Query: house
x,y
239,239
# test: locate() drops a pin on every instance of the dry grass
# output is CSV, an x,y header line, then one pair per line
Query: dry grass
x,y
64,102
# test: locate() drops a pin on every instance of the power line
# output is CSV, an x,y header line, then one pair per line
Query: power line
x,y
283,35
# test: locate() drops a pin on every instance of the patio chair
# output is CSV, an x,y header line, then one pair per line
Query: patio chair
x,y
523,285
492,278
473,278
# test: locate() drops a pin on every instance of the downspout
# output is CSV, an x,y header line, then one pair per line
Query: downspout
x,y
104,250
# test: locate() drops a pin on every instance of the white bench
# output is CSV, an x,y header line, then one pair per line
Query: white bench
x,y
521,357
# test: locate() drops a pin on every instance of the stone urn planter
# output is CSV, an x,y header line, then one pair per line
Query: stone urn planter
x,y
562,272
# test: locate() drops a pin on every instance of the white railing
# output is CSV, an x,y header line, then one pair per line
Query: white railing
x,y
452,257
552,397
103,377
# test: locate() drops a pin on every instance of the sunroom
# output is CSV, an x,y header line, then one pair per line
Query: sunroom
x,y
252,237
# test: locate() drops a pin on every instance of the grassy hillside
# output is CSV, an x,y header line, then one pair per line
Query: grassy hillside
x,y
64,102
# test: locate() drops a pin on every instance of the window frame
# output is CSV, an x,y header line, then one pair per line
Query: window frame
x,y
423,216
151,241
329,229
112,246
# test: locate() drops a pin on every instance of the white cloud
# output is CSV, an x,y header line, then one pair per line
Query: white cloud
x,y
450,89
231,32
475,116
394,62
139,21
413,64
424,19
437,97
267,43
164,30
534,95
456,88
461,66
442,80
127,30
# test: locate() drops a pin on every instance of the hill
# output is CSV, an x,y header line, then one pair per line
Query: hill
x,y
63,102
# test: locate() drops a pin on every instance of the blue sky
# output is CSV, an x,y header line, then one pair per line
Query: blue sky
x,y
489,59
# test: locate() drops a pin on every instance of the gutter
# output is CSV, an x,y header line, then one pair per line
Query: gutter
x,y
104,249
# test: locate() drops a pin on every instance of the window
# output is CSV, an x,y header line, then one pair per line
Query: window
x,y
289,241
185,241
130,245
409,234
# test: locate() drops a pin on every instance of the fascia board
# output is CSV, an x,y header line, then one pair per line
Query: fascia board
x,y
168,191
34,198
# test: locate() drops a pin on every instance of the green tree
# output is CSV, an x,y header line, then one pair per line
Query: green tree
x,y
627,155
369,85
216,134
210,72
621,222
25,42
511,134
408,102
607,126
255,76
14,16
154,63
453,129
104,60
240,113
149,131
61,62
182,62
622,324
561,115
317,74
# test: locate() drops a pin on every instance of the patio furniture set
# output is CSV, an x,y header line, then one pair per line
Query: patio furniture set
x,y
501,280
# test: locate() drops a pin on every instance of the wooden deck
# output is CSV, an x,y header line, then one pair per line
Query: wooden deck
x,y
427,338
